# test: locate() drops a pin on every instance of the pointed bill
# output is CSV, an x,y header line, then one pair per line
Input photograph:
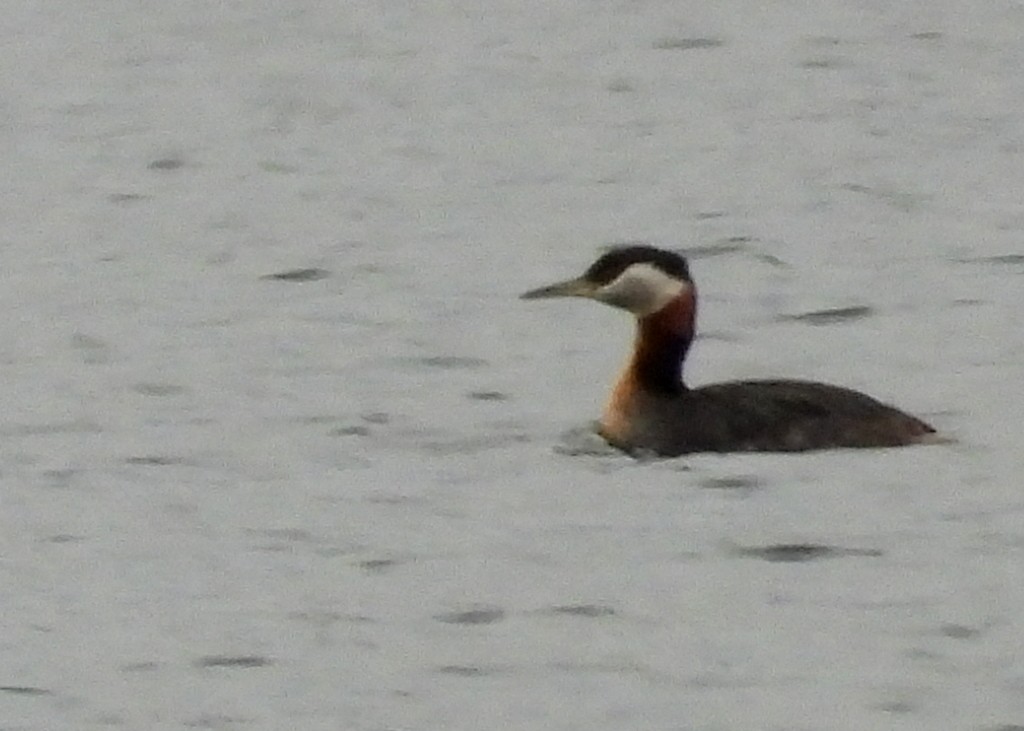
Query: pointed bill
x,y
578,287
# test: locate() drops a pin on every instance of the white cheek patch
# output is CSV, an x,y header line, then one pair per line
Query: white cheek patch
x,y
643,289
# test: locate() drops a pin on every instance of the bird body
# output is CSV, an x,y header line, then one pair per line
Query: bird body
x,y
754,416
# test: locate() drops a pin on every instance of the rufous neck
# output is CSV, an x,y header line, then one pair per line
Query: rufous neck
x,y
662,341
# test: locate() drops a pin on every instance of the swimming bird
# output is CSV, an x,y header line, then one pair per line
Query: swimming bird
x,y
652,410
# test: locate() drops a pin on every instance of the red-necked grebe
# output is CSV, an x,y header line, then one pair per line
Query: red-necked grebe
x,y
652,410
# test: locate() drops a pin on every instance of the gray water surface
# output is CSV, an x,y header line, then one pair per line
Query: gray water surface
x,y
282,449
